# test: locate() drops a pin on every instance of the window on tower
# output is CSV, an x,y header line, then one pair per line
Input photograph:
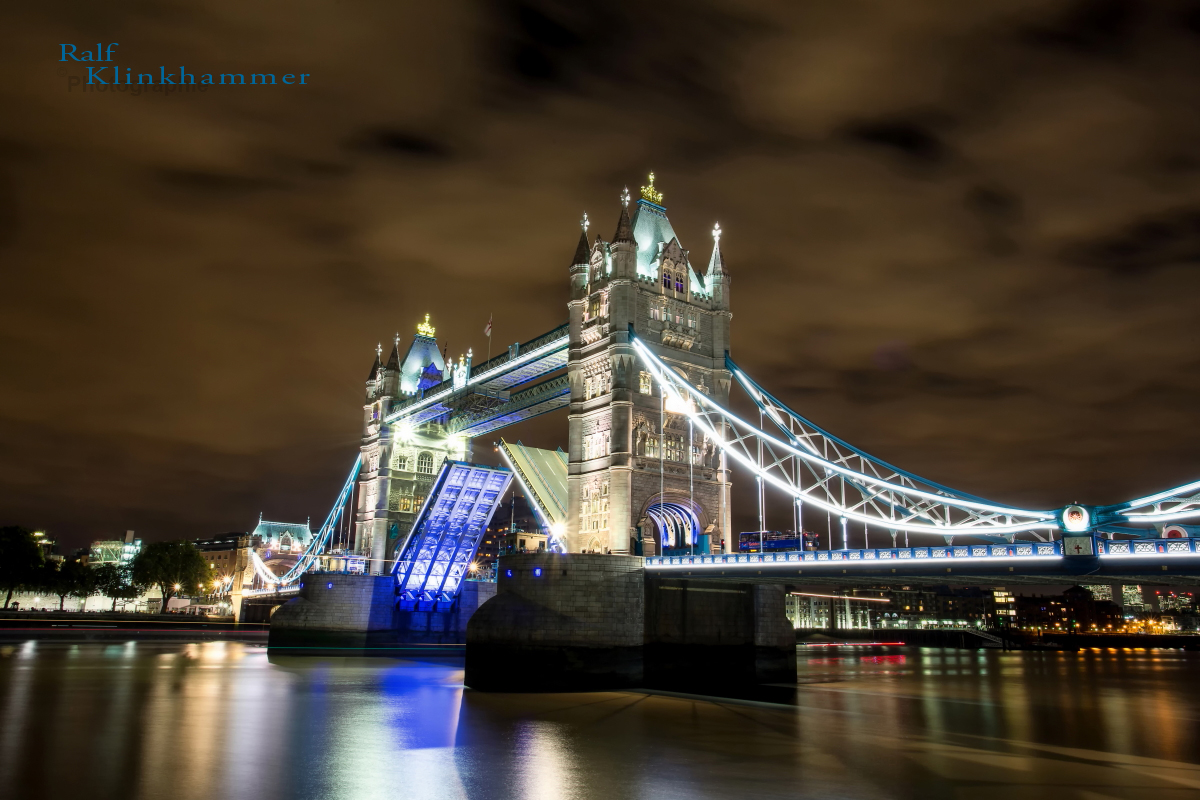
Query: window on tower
x,y
667,280
644,385
425,463
679,283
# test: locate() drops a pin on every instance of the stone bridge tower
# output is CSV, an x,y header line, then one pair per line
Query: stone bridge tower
x,y
631,465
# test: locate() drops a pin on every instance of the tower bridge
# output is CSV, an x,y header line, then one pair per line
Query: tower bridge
x,y
643,368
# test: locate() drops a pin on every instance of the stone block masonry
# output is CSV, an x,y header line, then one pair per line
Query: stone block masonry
x,y
341,611
559,622
580,621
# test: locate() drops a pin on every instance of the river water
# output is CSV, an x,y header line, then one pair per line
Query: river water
x,y
222,720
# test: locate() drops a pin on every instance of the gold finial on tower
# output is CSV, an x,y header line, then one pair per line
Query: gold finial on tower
x,y
652,194
625,197
424,328
583,223
717,233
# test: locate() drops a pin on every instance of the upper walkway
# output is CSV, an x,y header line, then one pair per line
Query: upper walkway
x,y
487,401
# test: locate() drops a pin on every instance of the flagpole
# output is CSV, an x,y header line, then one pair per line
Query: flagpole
x,y
488,331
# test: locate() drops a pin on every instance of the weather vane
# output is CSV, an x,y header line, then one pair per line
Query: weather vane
x,y
424,328
583,223
379,350
717,233
652,194
625,197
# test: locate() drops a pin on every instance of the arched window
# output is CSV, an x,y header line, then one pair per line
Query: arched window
x,y
402,463
679,282
666,280
425,464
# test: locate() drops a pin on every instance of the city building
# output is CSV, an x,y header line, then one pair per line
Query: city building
x,y
48,546
114,551
514,516
228,556
1075,610
1132,600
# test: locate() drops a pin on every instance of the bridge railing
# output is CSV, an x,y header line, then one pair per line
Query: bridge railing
x,y
975,552
524,347
1136,548
478,373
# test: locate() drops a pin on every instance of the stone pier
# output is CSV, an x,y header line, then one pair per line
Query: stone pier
x,y
583,622
341,611
559,622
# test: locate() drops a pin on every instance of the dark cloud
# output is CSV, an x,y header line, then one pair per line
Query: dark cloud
x,y
1169,239
914,142
964,236
1094,27
404,143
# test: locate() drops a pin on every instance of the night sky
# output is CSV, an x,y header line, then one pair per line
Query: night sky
x,y
963,235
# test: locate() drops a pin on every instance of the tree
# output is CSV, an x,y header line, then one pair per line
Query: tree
x,y
171,566
83,581
68,578
116,581
20,560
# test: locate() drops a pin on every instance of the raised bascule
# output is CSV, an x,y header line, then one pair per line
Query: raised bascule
x,y
643,367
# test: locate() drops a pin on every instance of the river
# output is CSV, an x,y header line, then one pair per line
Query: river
x,y
223,721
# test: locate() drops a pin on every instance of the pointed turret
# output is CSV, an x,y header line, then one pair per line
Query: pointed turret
x,y
583,249
624,246
716,264
374,369
624,226
393,364
718,274
579,266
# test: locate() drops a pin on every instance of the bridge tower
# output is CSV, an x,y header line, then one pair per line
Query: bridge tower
x,y
630,465
400,461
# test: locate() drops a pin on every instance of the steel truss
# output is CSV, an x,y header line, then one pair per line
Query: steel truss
x,y
1174,505
822,471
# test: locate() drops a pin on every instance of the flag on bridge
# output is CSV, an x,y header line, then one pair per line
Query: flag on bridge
x,y
488,330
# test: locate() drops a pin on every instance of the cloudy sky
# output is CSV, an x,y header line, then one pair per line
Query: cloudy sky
x,y
963,236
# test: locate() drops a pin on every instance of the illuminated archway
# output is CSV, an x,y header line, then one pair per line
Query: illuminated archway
x,y
676,523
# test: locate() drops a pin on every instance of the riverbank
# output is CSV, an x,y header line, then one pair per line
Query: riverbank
x,y
976,640
90,626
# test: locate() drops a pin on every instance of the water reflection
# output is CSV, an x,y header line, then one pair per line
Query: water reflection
x,y
221,719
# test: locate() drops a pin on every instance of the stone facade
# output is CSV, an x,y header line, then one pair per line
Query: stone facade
x,y
628,453
399,462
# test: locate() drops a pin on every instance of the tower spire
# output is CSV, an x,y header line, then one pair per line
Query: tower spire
x,y
624,226
716,264
583,248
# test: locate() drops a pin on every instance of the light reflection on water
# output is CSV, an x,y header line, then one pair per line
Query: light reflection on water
x,y
222,720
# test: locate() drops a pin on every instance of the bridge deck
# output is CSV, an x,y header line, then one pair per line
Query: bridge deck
x,y
1159,561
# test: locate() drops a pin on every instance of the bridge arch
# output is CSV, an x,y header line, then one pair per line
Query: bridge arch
x,y
678,521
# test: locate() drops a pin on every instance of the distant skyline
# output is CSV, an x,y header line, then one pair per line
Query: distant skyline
x,y
963,237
